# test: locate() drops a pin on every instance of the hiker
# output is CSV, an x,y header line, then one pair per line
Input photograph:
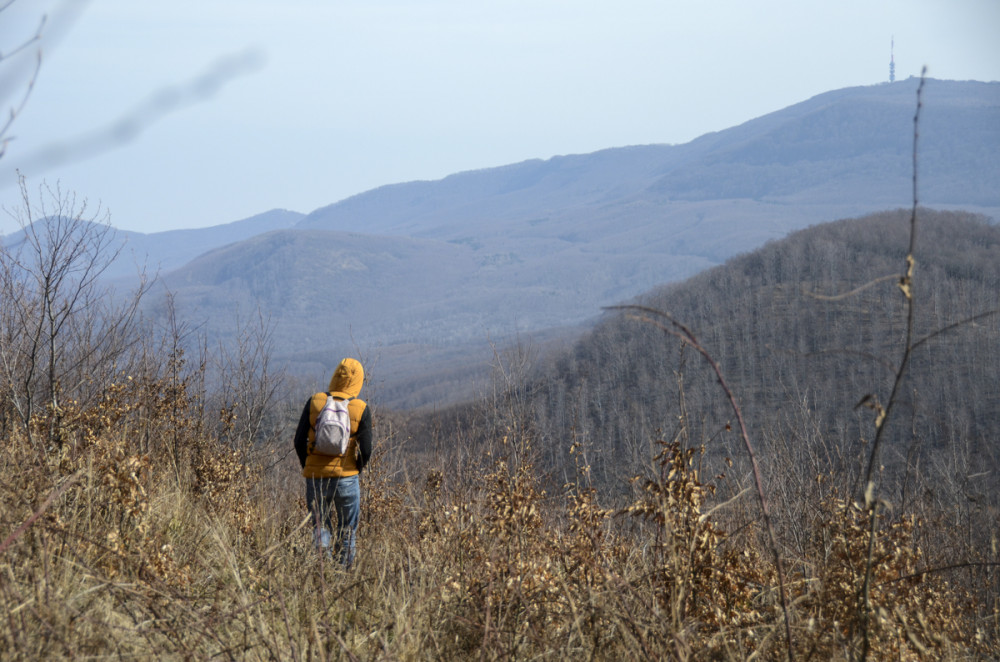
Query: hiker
x,y
331,477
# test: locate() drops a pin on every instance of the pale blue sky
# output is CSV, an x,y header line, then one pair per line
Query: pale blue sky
x,y
322,99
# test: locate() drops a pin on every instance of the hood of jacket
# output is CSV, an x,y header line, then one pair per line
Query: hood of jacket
x,y
347,379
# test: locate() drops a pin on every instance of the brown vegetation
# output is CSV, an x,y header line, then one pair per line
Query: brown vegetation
x,y
198,554
145,515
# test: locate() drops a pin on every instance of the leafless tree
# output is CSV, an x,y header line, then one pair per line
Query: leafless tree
x,y
62,328
247,384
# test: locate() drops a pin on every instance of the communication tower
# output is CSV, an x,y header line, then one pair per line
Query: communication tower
x,y
892,60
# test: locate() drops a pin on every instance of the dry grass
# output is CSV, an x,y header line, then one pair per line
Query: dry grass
x,y
182,548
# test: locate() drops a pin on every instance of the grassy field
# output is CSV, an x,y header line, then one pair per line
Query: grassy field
x,y
132,531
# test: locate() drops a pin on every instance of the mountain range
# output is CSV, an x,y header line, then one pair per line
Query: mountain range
x,y
420,278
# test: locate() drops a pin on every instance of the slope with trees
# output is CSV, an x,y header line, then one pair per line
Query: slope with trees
x,y
801,347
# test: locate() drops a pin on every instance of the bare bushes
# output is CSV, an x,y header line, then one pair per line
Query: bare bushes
x,y
114,484
129,555
62,332
510,571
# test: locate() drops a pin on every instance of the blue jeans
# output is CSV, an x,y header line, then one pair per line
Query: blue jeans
x,y
326,496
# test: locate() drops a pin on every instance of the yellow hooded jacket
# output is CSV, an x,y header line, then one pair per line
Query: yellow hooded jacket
x,y
346,383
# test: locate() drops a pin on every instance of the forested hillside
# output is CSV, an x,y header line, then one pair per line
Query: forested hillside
x,y
805,328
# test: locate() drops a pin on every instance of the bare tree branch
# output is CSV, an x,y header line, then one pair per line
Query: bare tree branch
x,y
906,286
130,125
119,132
956,325
679,330
16,109
856,290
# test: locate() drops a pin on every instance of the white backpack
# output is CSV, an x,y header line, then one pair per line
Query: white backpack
x,y
333,427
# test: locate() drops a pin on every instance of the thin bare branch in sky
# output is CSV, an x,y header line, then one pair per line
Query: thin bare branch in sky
x,y
130,125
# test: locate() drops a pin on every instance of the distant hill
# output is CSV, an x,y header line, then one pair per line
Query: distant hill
x,y
841,152
430,269
799,356
160,252
165,251
855,142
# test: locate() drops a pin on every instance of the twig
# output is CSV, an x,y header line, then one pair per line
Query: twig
x,y
906,285
15,111
283,541
944,568
38,513
681,331
952,327
127,127
846,295
835,352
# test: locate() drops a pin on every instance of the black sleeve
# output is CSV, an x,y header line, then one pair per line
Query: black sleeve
x,y
364,438
302,434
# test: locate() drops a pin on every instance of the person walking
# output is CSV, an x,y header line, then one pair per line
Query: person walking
x,y
332,486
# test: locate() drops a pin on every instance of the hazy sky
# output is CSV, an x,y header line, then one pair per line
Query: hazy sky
x,y
191,113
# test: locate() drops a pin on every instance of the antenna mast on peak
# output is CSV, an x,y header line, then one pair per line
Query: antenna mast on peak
x,y
892,60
